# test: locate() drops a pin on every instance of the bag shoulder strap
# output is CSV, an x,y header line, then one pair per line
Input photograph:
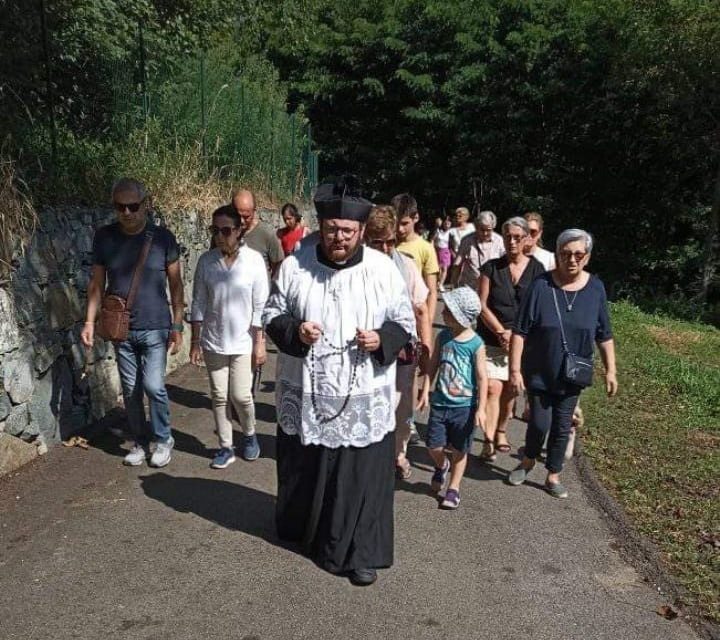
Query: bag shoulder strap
x,y
139,266
557,309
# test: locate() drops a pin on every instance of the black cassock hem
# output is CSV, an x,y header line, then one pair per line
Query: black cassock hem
x,y
337,502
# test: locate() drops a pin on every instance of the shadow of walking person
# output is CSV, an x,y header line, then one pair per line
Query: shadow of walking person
x,y
230,505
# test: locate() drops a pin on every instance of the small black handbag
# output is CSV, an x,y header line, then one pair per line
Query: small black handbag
x,y
575,369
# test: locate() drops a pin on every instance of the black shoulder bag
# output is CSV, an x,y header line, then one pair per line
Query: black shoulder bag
x,y
575,369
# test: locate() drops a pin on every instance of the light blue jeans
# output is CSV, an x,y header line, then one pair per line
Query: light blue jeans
x,y
141,361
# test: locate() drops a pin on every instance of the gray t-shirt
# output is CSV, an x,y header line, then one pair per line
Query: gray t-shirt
x,y
118,253
264,240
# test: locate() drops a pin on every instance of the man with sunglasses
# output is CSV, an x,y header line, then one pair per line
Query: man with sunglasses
x,y
257,234
142,357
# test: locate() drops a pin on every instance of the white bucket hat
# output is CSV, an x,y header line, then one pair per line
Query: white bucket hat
x,y
464,305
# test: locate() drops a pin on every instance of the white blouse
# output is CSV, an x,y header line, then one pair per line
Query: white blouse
x,y
229,300
311,392
442,239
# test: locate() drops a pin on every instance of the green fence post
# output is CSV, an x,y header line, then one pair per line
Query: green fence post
x,y
203,122
143,74
242,124
49,89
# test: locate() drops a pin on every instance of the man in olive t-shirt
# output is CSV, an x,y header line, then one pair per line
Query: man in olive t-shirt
x,y
258,234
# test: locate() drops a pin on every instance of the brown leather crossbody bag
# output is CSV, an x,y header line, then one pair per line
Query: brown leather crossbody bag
x,y
113,322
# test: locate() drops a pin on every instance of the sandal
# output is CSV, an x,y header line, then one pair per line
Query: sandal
x,y
403,471
488,452
502,447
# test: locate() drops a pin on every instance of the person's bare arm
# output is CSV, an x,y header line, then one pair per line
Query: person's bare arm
x,y
95,289
177,301
431,282
607,353
482,383
424,392
517,345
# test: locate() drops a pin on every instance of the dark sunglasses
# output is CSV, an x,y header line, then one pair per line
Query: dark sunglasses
x,y
225,231
379,244
132,207
578,255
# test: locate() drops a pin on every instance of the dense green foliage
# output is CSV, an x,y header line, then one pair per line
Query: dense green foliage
x,y
656,445
168,91
599,114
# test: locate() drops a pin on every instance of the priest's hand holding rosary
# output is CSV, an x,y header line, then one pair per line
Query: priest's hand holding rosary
x,y
368,340
310,332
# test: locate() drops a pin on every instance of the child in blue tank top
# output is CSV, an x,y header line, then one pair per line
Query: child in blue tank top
x,y
457,405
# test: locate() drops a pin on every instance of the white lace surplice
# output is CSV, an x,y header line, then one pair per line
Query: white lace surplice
x,y
342,301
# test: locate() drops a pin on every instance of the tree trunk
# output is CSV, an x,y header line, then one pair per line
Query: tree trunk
x,y
712,245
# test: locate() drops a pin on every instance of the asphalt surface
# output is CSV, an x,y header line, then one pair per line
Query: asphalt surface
x,y
92,549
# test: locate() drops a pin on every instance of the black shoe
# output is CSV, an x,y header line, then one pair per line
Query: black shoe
x,y
362,577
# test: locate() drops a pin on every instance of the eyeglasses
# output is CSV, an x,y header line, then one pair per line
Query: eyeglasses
x,y
378,243
578,255
338,232
534,232
225,231
132,207
511,238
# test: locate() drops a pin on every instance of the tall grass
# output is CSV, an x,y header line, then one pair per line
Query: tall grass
x,y
18,217
194,135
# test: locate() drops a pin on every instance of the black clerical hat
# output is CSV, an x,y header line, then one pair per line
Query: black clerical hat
x,y
341,199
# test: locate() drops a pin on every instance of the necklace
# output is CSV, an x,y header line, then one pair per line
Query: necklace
x,y
335,350
569,303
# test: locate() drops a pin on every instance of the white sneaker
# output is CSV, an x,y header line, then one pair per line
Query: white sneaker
x,y
136,456
441,288
163,453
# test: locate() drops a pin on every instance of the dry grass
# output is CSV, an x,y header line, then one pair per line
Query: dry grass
x,y
178,181
18,218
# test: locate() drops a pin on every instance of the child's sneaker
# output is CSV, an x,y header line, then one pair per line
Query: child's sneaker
x,y
439,477
451,500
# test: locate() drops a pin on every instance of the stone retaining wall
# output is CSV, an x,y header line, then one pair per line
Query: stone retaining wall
x,y
50,387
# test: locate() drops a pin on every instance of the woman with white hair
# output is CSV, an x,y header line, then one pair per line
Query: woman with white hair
x,y
477,249
563,315
502,288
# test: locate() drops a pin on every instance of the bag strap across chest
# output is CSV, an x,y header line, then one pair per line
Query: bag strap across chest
x,y
137,271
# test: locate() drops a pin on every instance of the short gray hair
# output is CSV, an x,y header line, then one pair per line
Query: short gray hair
x,y
129,184
516,221
487,217
572,235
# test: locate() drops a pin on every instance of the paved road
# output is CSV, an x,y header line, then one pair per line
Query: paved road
x,y
92,549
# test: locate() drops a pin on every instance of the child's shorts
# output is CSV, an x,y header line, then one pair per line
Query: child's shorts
x,y
451,426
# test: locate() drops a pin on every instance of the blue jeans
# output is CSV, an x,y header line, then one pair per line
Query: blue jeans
x,y
553,413
141,361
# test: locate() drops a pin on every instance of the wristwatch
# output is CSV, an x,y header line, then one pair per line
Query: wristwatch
x,y
177,326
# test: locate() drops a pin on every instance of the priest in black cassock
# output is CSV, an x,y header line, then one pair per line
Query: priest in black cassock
x,y
339,313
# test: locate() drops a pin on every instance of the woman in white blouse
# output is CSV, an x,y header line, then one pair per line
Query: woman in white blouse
x,y
230,289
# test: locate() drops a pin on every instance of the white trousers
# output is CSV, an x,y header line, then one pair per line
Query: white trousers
x,y
231,386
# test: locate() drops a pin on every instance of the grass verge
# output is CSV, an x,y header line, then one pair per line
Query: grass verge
x,y
656,446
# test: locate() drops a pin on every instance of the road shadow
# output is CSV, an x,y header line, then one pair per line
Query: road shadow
x,y
265,412
230,505
188,397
